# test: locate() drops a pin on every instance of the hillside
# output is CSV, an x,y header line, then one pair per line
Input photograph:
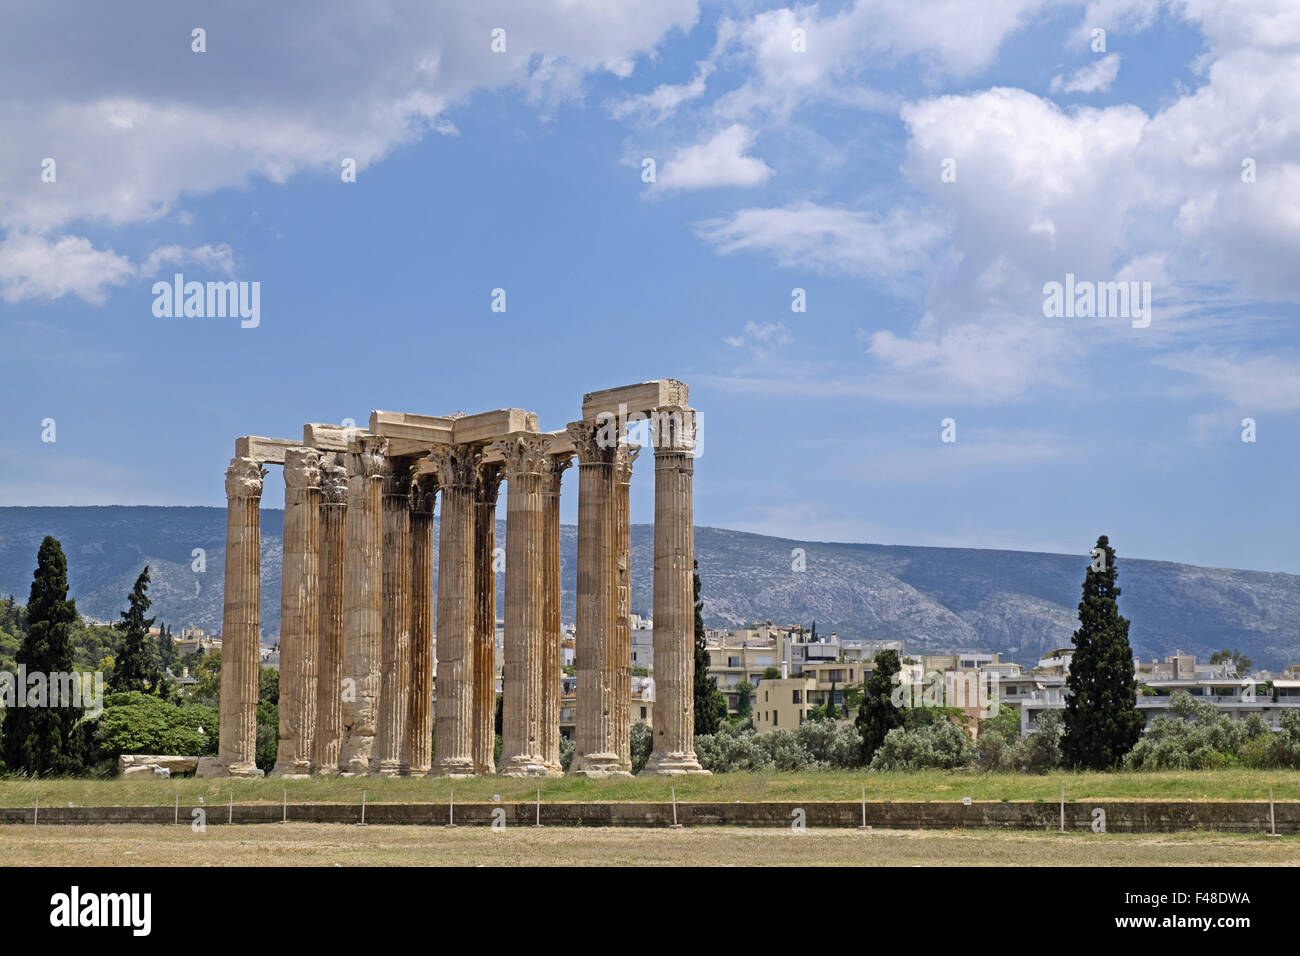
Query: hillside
x,y
1017,602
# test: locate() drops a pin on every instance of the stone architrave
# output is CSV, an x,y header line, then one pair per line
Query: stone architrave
x,y
552,634
363,585
419,724
457,466
596,741
329,655
524,461
299,611
487,485
241,651
395,669
674,608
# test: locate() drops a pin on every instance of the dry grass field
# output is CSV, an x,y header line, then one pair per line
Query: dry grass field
x,y
309,844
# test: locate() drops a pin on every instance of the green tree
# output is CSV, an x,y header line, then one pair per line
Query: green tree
x,y
39,739
1239,660
878,716
1102,721
743,705
771,673
706,687
136,666
832,712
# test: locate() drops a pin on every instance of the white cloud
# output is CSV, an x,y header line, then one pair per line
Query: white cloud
x,y
1094,78
273,96
829,239
719,161
1253,384
33,267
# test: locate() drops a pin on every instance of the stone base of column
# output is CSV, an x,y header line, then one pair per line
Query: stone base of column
x,y
525,767
213,767
672,765
291,768
325,771
356,767
453,767
389,768
598,765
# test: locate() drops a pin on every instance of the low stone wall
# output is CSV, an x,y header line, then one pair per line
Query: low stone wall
x,y
1129,816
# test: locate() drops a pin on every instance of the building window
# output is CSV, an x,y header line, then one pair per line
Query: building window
x,y
776,719
796,699
643,713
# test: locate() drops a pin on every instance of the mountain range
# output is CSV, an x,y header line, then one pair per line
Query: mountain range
x,y
1019,603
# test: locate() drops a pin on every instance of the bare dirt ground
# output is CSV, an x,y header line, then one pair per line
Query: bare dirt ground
x,y
314,844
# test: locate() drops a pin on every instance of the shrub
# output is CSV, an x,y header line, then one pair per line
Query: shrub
x,y
732,749
643,740
138,723
938,746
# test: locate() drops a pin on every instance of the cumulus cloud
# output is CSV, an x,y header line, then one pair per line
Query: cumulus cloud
x,y
718,161
275,94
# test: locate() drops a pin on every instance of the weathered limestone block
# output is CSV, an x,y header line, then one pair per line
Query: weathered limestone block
x,y
241,618
136,764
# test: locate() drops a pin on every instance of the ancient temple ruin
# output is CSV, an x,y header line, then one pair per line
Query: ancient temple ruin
x,y
360,621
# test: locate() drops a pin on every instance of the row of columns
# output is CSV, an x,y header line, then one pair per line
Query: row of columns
x,y
357,645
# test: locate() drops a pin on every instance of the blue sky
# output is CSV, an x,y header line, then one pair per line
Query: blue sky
x,y
776,169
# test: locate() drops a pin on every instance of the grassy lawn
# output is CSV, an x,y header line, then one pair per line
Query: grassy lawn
x,y
308,844
926,785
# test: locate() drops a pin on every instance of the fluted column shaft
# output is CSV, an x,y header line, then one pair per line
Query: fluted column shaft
x,y
487,485
457,466
329,654
395,668
622,636
674,609
299,611
596,743
521,751
552,635
363,585
419,724
240,657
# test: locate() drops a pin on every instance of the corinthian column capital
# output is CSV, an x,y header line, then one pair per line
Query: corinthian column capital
x,y
302,468
522,454
456,465
244,478
371,461
333,480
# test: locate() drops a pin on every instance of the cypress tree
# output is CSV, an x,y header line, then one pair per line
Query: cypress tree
x,y
39,739
706,687
1102,720
137,665
878,716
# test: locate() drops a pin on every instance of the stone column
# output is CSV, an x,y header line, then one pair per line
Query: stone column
x,y
240,650
552,635
457,468
674,608
299,611
329,655
487,484
622,637
395,668
419,723
363,585
596,753
524,461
